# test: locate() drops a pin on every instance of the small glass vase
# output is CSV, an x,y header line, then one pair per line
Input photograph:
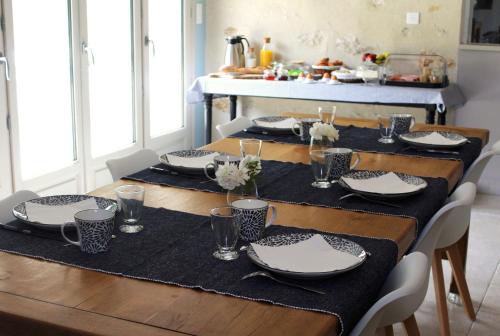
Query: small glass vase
x,y
249,190
320,144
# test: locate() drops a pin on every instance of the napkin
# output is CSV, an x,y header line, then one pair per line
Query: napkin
x,y
389,183
435,138
191,162
310,255
57,214
285,123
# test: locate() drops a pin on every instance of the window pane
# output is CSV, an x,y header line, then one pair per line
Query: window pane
x,y
165,72
111,85
43,87
485,22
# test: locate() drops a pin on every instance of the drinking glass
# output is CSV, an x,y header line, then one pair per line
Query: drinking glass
x,y
226,223
327,114
250,147
321,164
386,125
130,203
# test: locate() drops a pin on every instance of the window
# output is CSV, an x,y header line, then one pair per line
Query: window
x,y
484,22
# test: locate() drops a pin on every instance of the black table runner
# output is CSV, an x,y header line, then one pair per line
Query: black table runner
x,y
291,183
364,139
176,248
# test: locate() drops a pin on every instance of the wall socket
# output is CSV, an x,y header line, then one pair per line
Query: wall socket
x,y
413,18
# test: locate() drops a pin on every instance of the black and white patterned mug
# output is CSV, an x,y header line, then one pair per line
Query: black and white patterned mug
x,y
304,126
341,161
220,160
403,123
94,227
254,217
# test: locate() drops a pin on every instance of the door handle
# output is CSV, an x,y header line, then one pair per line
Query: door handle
x,y
88,51
3,60
148,41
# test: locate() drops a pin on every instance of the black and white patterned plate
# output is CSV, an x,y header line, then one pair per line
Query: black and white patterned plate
x,y
19,211
412,139
189,153
337,243
270,130
367,174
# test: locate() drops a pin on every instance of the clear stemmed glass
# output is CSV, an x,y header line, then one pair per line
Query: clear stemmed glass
x,y
386,126
226,223
321,164
250,147
327,114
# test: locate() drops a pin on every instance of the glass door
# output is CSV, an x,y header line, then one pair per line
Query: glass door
x,y
40,92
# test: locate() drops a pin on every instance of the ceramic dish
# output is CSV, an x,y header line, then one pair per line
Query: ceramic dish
x,y
190,153
270,130
412,139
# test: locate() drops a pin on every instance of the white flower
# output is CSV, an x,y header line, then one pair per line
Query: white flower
x,y
229,176
319,130
251,164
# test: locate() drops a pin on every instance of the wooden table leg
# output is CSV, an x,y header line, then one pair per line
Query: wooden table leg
x,y
431,114
208,117
233,101
462,248
442,117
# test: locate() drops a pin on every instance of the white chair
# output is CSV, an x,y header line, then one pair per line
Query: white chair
x,y
440,235
234,126
401,295
8,203
477,167
132,163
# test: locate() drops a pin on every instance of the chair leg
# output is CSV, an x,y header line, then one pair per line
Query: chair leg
x,y
389,331
411,326
459,276
442,308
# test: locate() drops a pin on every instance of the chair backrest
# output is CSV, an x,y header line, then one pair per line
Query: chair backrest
x,y
402,294
450,223
477,167
132,163
234,126
8,203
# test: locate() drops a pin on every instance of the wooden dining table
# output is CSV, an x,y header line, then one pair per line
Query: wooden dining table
x,y
46,298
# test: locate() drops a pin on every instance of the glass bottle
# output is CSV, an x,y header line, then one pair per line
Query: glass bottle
x,y
251,59
266,53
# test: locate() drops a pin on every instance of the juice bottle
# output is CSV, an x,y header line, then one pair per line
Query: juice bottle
x,y
266,53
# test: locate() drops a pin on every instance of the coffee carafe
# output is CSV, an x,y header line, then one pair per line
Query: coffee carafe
x,y
235,51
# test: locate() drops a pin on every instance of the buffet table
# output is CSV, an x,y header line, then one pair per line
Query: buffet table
x,y
44,297
433,100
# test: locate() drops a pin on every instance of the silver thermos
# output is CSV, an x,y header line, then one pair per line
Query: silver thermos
x,y
235,51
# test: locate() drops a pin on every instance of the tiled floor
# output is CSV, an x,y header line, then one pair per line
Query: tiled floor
x,y
483,278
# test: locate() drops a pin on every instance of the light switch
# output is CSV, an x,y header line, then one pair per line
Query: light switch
x,y
413,18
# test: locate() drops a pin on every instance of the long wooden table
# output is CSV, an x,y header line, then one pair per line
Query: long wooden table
x,y
45,298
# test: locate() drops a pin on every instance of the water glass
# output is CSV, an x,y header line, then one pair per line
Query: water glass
x,y
226,223
327,114
321,164
130,204
386,125
250,147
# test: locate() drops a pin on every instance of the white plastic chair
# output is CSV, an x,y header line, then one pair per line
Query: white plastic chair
x,y
477,167
132,163
440,235
8,203
401,295
234,126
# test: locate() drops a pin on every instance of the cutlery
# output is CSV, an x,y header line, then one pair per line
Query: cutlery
x,y
268,275
34,232
428,150
369,200
163,171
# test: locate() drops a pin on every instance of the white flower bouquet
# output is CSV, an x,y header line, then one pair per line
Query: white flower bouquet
x,y
230,176
320,130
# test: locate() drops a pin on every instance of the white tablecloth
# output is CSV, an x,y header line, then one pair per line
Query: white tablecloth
x,y
450,96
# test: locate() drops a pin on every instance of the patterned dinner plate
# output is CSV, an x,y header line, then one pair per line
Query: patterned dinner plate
x,y
190,153
19,211
270,130
412,139
368,174
340,244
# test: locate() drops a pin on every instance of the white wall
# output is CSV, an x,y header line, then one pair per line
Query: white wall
x,y
479,78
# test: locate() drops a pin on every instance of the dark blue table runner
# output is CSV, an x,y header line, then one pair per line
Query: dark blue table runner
x,y
365,140
176,248
291,183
